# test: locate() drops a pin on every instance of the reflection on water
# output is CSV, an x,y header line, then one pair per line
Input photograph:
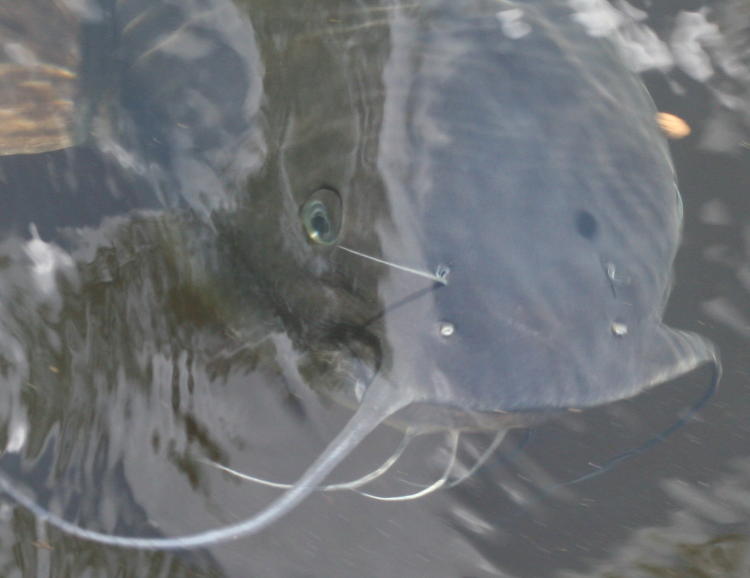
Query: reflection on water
x,y
101,359
705,535
138,341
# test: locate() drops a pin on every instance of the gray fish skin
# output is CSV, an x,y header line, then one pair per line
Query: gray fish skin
x,y
531,166
553,199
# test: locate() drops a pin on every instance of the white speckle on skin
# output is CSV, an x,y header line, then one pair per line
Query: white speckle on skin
x,y
512,23
46,259
611,271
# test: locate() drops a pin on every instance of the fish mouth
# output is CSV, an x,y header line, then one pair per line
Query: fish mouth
x,y
37,110
344,366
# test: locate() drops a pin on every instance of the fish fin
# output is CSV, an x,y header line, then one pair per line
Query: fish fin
x,y
669,353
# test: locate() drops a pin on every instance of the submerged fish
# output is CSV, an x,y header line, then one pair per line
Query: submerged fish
x,y
38,79
456,224
139,83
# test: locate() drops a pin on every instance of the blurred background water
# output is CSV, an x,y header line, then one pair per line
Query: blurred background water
x,y
133,347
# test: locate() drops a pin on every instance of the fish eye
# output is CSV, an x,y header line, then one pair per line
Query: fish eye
x,y
321,216
317,222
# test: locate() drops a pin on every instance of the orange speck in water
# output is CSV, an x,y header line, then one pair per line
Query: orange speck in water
x,y
672,126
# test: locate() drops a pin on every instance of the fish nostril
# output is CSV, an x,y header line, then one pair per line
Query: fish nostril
x,y
619,329
586,225
441,273
446,329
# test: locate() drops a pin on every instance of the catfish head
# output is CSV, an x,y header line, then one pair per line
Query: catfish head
x,y
487,222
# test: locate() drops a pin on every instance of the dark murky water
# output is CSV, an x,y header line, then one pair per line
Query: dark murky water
x,y
133,347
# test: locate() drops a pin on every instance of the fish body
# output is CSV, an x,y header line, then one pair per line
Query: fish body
x,y
453,222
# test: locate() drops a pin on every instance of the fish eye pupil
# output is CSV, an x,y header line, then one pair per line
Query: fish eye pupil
x,y
320,224
321,216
